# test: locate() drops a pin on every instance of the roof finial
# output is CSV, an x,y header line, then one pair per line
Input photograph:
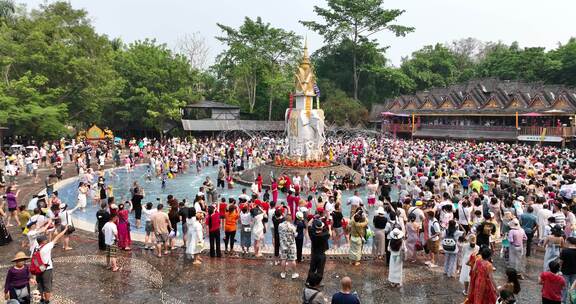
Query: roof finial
x,y
306,46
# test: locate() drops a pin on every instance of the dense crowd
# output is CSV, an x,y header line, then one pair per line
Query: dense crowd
x,y
427,202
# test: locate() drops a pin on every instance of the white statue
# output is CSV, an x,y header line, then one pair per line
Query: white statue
x,y
305,125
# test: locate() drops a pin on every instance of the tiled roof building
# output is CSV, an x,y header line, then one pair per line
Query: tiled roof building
x,y
484,104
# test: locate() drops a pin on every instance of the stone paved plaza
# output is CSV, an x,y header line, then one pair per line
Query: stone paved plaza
x,y
81,277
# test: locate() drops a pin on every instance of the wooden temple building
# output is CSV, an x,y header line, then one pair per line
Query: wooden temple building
x,y
486,109
213,116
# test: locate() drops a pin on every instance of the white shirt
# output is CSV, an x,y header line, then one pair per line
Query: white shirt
x,y
437,230
355,201
64,219
110,232
245,218
147,214
296,180
46,254
39,219
418,213
464,215
33,204
32,235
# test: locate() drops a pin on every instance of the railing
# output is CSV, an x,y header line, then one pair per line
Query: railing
x,y
398,128
550,131
564,132
532,130
471,128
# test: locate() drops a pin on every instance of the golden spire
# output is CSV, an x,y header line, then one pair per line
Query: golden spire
x,y
305,78
306,58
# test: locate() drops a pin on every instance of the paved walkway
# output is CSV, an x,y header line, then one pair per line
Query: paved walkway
x,y
80,276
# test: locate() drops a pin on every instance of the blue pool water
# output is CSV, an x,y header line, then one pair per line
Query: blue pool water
x,y
184,186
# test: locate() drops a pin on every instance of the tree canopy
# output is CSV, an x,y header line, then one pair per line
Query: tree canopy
x,y
354,22
58,75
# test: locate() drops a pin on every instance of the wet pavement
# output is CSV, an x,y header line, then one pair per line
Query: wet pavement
x,y
81,277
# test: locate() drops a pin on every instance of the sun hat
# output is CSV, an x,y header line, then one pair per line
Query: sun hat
x,y
419,203
380,211
514,224
20,256
396,234
318,224
521,198
299,215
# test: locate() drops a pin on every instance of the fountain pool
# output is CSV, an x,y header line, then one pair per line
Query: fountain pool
x,y
184,186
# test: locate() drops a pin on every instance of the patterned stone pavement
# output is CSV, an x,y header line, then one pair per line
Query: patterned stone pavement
x,y
80,277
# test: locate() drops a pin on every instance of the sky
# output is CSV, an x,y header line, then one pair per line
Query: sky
x,y
530,22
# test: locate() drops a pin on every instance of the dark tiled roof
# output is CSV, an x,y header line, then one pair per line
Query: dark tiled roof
x,y
488,95
212,104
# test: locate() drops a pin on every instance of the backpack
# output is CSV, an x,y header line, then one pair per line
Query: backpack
x,y
432,227
37,266
395,244
449,243
311,299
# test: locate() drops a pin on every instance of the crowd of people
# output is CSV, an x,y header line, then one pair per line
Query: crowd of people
x,y
427,202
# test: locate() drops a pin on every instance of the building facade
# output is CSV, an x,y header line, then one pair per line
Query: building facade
x,y
486,109
212,116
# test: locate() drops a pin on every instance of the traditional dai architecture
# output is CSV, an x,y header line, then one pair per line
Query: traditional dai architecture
x,y
486,109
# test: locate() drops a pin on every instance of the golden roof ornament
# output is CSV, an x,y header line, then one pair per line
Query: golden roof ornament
x,y
305,78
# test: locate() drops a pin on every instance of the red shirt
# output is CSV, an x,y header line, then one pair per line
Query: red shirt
x,y
264,205
213,222
222,208
242,205
552,285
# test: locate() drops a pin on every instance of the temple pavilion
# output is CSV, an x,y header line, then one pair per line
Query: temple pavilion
x,y
485,109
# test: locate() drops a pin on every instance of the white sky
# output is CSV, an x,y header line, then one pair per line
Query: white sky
x,y
530,22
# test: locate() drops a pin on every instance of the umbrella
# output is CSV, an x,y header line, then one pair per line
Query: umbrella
x,y
531,114
555,111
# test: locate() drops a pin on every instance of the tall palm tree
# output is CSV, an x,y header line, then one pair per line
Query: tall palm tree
x,y
7,9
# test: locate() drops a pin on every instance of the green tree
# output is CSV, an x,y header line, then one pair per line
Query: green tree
x,y
256,53
356,21
339,108
28,109
565,56
7,10
58,45
514,63
157,83
377,80
432,66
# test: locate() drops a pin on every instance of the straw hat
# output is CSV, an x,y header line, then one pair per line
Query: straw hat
x,y
20,256
508,215
396,234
